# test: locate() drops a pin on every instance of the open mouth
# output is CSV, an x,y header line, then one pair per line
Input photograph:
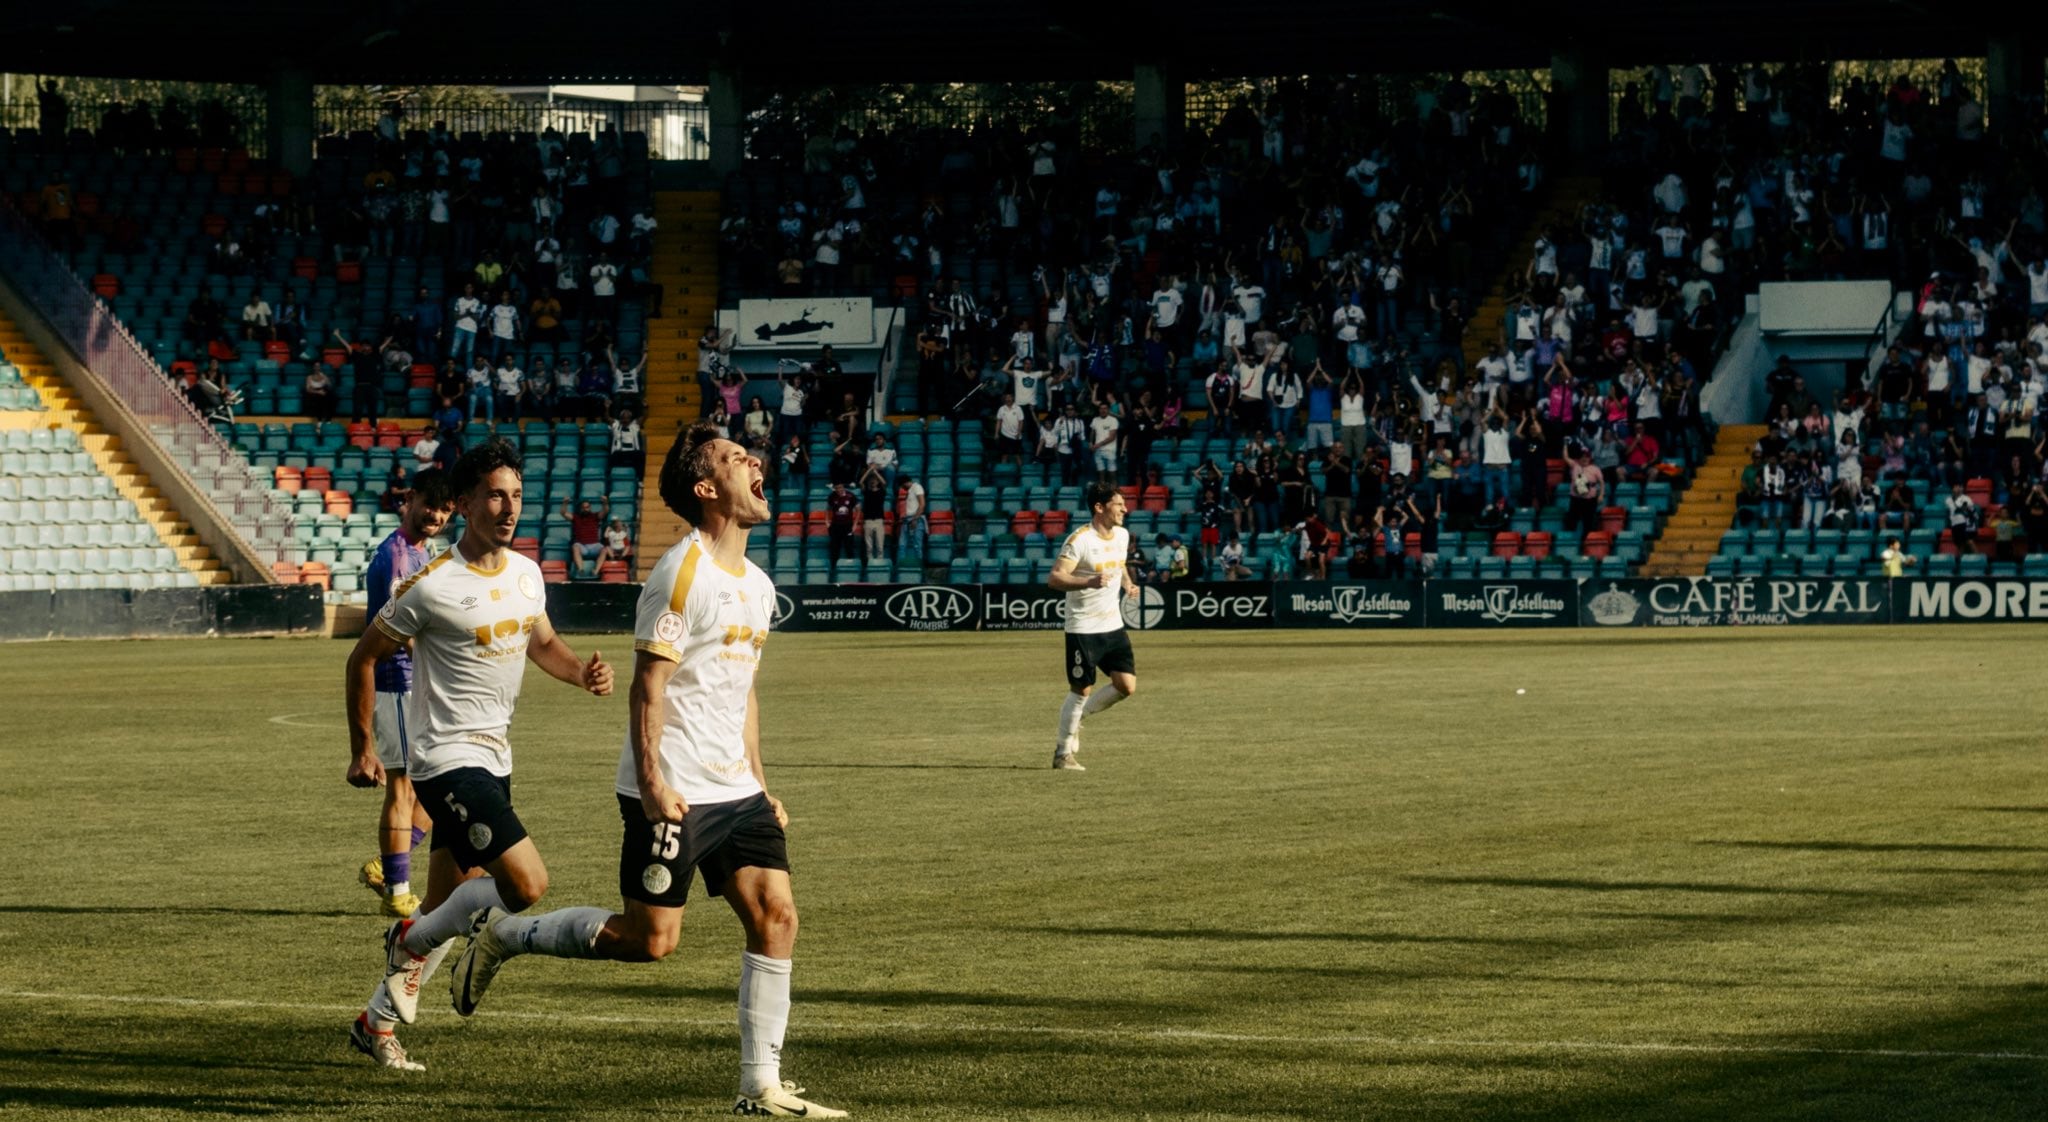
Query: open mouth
x,y
757,489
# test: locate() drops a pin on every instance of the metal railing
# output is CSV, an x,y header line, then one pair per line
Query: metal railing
x,y
228,123
676,130
238,493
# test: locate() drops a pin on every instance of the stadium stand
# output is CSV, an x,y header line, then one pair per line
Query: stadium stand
x,y
75,512
249,289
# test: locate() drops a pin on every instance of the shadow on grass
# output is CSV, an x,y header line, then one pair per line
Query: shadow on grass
x,y
125,910
1579,884
1877,847
2006,809
85,1058
910,999
1220,936
69,1098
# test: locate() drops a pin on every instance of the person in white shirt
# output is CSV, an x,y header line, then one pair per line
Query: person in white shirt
x,y
504,319
1251,300
1092,570
911,521
1496,458
473,617
468,315
692,794
1103,433
1009,430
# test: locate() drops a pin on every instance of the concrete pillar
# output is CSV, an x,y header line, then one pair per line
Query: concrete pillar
x,y
291,121
1159,104
728,115
1578,103
2012,71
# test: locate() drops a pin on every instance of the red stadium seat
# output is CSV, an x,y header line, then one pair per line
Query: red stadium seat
x,y
1538,544
528,548
612,572
348,272
941,524
288,479
340,504
286,572
1054,523
1155,499
389,435
314,572
1024,522
1411,545
789,524
334,357
1553,474
106,284
818,524
317,478
1131,496
362,435
1599,543
306,268
1946,544
422,376
554,572
1507,543
277,350
213,224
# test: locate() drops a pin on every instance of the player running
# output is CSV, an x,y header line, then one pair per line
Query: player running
x,y
403,823
474,616
692,796
1090,570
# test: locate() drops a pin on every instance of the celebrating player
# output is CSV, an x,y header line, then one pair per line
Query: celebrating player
x,y
473,615
691,790
1090,570
403,823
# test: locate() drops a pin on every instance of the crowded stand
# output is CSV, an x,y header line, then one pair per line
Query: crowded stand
x,y
425,290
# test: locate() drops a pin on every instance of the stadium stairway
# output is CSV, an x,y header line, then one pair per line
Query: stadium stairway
x,y
1707,509
686,266
68,410
1567,196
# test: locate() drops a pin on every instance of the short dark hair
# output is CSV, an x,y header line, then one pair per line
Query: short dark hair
x,y
482,460
688,461
431,488
1098,494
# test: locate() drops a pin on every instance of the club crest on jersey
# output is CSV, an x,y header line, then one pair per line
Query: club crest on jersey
x,y
479,835
527,588
656,879
469,601
668,627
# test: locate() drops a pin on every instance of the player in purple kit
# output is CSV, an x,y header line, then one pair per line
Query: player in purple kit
x,y
403,823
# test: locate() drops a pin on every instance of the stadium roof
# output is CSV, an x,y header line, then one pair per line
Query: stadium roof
x,y
798,41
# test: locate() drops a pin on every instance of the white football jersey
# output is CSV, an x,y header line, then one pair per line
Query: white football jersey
x,y
469,628
1091,611
712,622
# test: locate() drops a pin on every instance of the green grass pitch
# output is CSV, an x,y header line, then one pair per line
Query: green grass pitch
x,y
1731,875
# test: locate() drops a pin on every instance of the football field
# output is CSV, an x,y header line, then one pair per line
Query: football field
x,y
1726,875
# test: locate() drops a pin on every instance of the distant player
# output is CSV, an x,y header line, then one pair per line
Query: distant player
x,y
403,823
474,616
1090,570
691,790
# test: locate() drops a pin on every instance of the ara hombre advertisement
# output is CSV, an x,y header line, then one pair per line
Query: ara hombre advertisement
x,y
876,607
1348,604
1740,602
845,321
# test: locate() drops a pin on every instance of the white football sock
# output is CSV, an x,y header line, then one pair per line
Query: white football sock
x,y
383,1015
568,933
452,917
1101,699
1070,719
764,1017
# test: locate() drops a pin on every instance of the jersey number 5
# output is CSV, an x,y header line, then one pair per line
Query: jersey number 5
x,y
668,840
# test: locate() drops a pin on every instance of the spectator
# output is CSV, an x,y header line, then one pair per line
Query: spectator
x,y
509,386
842,508
1588,491
1964,517
912,522
1102,442
626,449
397,488
796,462
256,318
586,540
468,315
317,393
425,450
618,544
1896,559
1230,561
874,512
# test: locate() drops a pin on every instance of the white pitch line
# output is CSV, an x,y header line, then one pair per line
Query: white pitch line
x,y
290,719
1168,1034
